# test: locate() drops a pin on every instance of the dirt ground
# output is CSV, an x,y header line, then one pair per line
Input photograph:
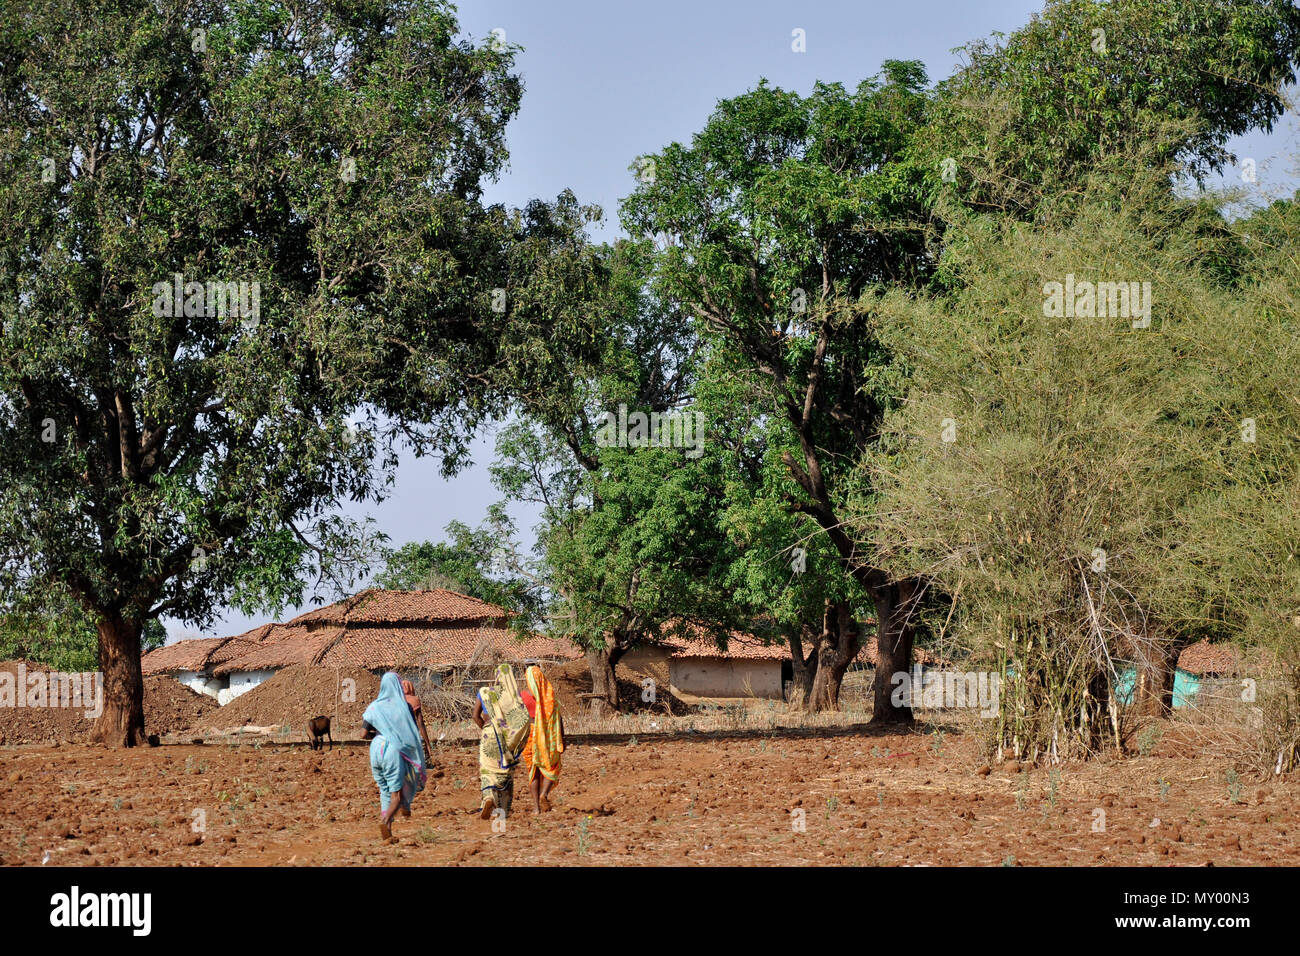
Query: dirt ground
x,y
715,798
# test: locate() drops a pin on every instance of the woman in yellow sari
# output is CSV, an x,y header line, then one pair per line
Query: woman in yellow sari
x,y
545,746
499,711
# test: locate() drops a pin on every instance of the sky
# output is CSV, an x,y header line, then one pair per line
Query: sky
x,y
606,82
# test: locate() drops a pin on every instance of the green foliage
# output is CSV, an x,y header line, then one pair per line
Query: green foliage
x,y
61,635
164,463
1086,84
785,216
1096,494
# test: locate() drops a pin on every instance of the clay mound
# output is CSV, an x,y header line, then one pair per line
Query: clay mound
x,y
574,678
169,706
29,725
296,694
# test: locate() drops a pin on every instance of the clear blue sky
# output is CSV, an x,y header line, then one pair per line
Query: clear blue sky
x,y
606,82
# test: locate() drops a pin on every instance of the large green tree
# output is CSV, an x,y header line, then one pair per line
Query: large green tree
x,y
1164,83
628,535
167,450
784,215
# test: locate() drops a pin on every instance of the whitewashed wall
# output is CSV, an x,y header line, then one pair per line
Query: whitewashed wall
x,y
241,682
201,683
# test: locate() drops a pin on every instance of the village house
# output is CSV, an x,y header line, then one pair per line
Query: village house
x,y
696,666
434,632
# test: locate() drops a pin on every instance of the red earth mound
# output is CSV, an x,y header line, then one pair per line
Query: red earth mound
x,y
296,694
169,706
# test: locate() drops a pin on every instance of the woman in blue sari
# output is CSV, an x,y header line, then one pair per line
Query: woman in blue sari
x,y
396,755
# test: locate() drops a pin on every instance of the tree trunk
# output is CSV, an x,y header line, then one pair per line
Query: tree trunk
x,y
895,629
836,648
803,669
122,722
1154,694
604,685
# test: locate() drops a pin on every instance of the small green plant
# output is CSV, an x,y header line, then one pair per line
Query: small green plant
x,y
1009,861
584,837
117,803
1164,789
1234,786
936,744
1054,785
1148,738
1023,793
427,834
832,804
631,741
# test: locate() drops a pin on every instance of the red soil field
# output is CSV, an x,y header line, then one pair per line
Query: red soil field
x,y
721,798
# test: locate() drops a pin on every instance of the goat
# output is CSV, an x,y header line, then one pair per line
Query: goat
x,y
318,728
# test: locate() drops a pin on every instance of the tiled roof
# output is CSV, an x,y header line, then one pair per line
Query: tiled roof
x,y
191,655
285,645
375,606
738,647
257,634
439,647
1206,658
374,629
235,647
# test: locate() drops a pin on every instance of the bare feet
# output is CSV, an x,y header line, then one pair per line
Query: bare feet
x,y
385,832
404,811
546,805
485,812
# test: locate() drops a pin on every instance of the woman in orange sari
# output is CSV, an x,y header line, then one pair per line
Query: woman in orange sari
x,y
545,746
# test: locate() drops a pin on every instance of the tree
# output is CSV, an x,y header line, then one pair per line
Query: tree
x,y
1087,82
233,227
783,217
625,536
784,576
1088,483
57,631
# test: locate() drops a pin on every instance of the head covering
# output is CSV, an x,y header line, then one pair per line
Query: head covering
x,y
408,691
390,715
546,742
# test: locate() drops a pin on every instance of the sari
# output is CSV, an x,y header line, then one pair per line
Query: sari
x,y
502,737
545,746
396,757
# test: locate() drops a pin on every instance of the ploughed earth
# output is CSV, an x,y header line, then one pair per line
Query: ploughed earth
x,y
824,795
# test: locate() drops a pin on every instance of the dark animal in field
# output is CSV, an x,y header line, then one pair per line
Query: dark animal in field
x,y
318,728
